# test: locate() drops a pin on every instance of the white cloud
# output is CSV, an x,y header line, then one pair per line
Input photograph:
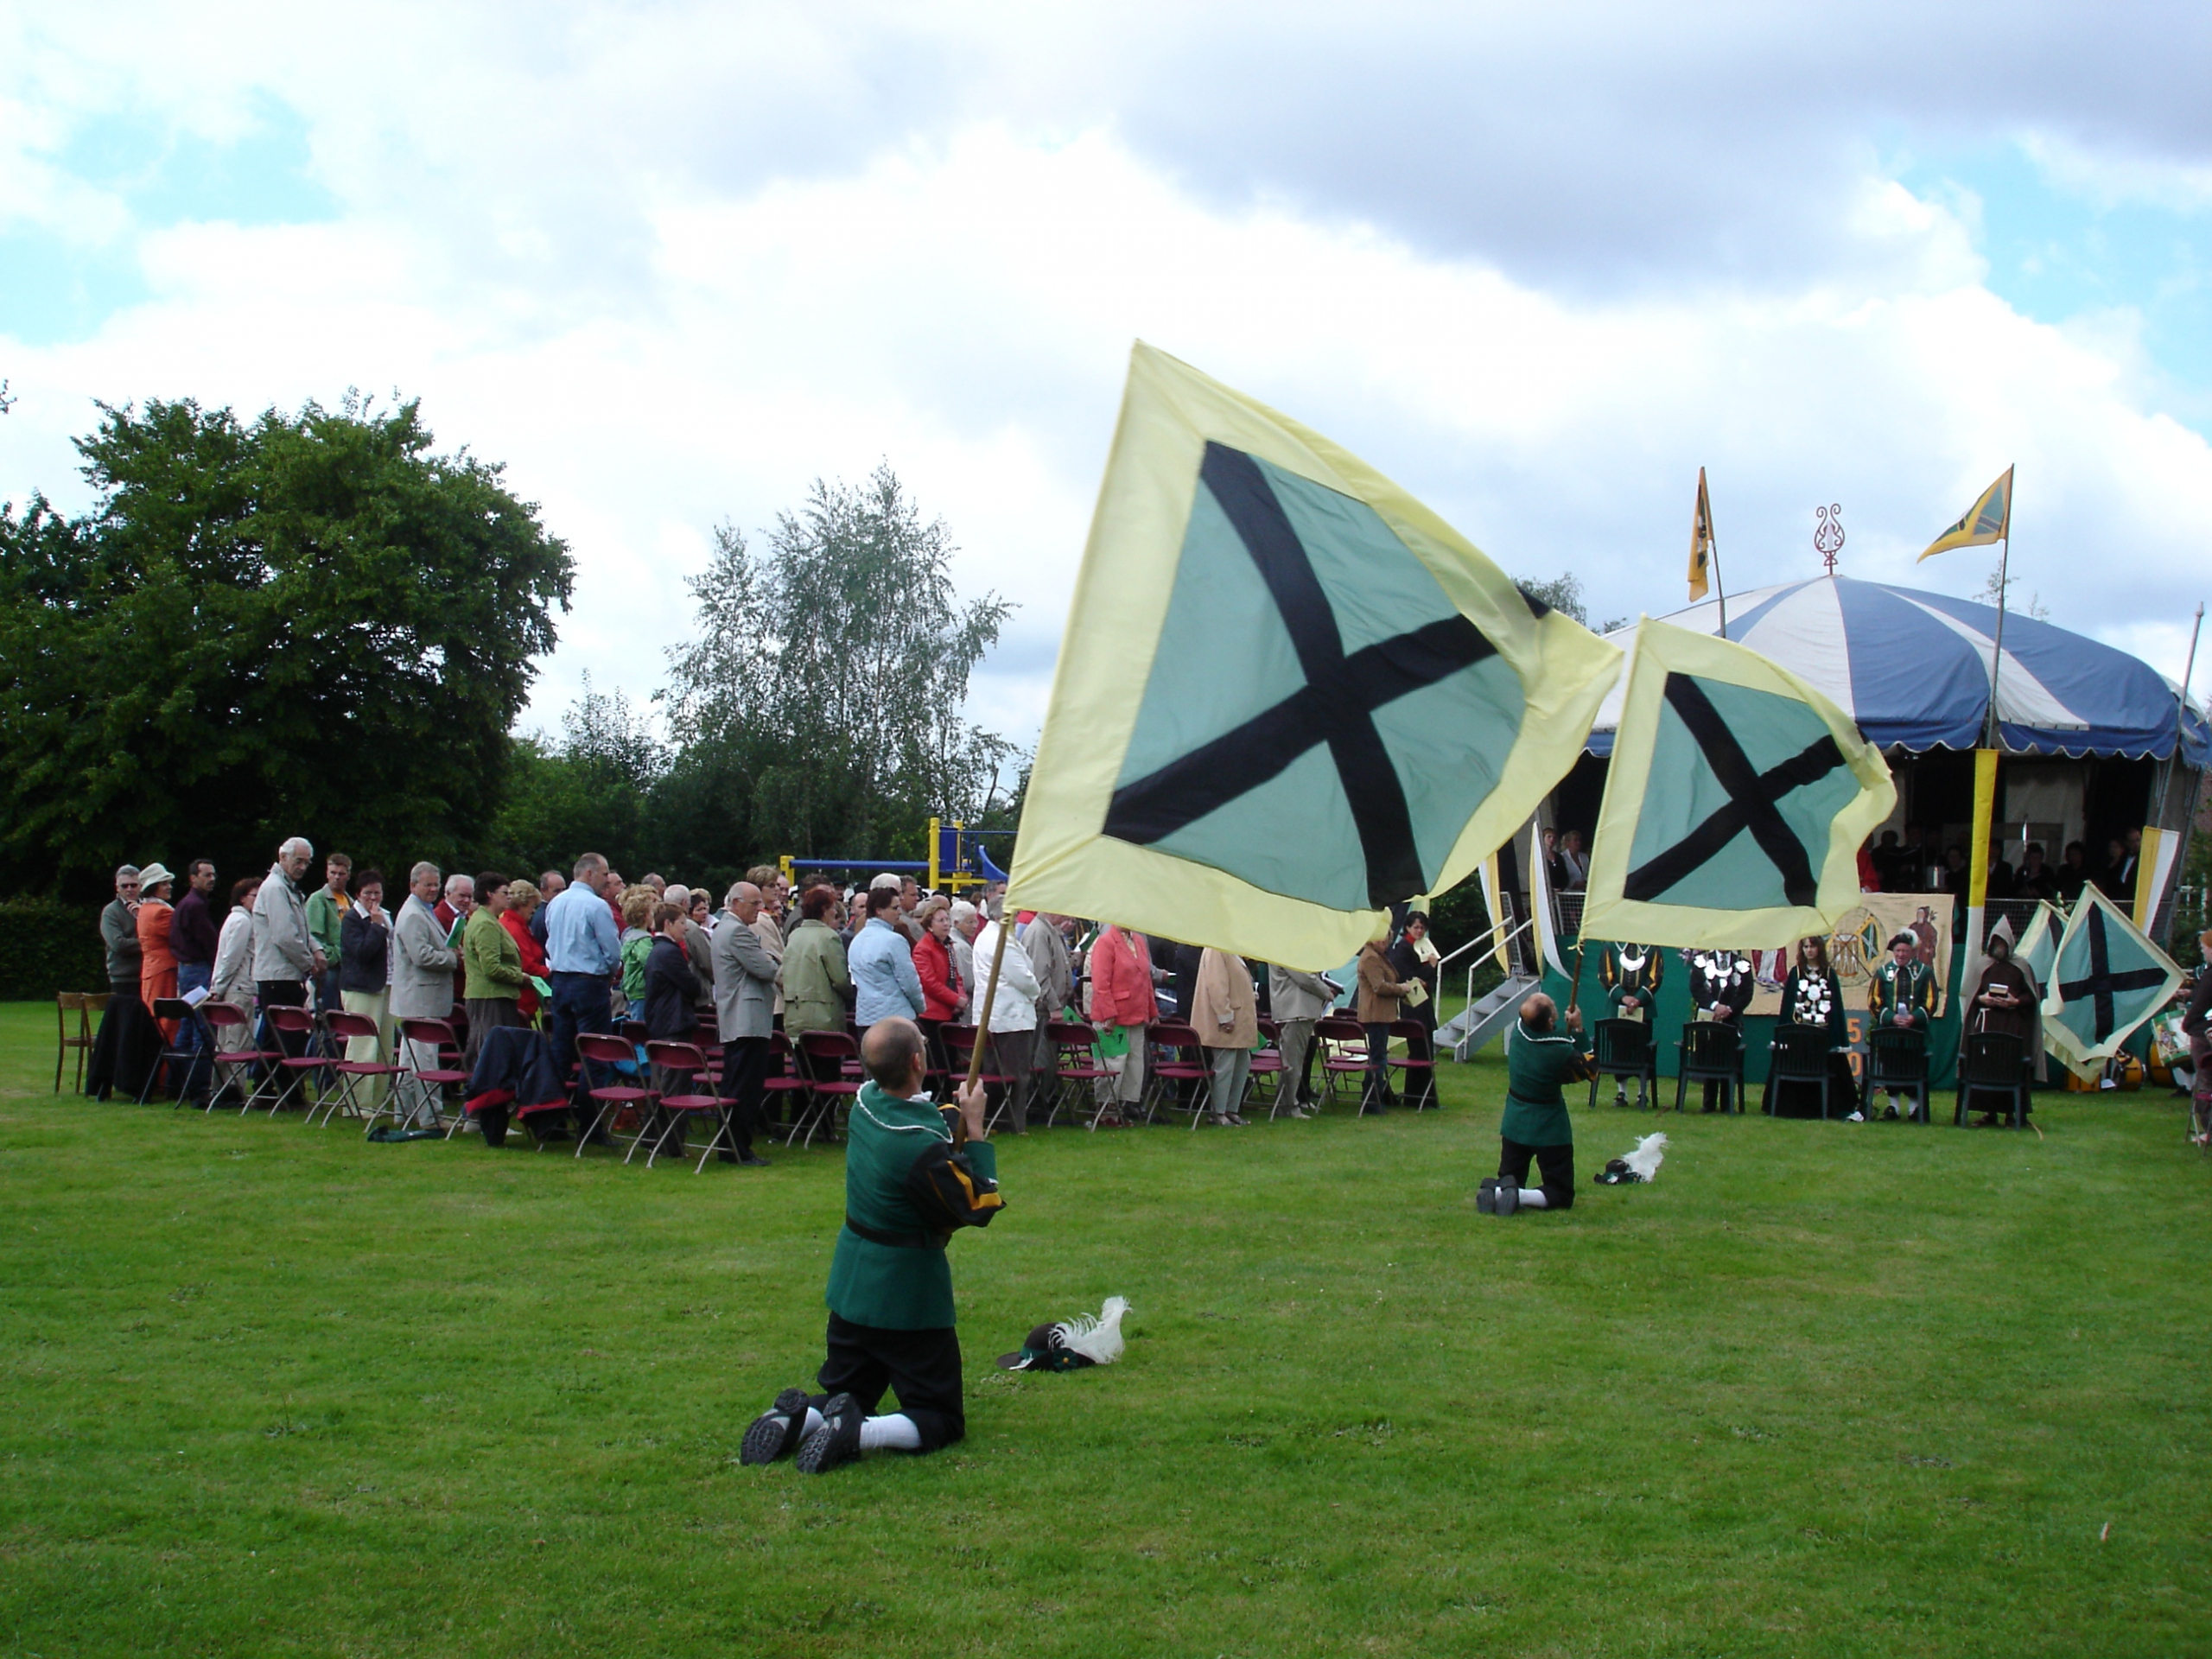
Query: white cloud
x,y
671,266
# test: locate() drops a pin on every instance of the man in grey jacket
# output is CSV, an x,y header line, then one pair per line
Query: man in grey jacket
x,y
421,982
285,955
1296,1000
745,994
119,934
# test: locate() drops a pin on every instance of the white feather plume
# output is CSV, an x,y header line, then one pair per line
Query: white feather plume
x,y
1650,1149
1099,1340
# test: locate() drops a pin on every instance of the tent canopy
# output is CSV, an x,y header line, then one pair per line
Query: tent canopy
x,y
1912,669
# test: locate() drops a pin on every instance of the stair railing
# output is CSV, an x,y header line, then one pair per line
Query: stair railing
x,y
1488,943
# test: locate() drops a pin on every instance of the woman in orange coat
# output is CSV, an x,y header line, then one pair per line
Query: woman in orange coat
x,y
157,956
522,900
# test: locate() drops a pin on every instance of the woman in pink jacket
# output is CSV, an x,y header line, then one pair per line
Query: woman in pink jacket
x,y
1122,1006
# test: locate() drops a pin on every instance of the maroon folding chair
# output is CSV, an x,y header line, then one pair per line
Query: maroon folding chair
x,y
1343,1053
826,1053
436,1035
345,1026
231,1062
1164,1077
608,1052
1267,1062
297,1068
1418,1062
689,1062
959,1054
784,1086
1076,1065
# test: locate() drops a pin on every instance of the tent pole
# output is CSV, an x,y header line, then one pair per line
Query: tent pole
x,y
1996,651
2182,715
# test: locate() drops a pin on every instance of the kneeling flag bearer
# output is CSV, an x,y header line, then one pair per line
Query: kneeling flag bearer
x,y
1539,1061
914,1175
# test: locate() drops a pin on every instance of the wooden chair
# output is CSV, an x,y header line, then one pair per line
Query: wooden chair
x,y
1992,1062
1798,1054
1623,1048
1711,1052
84,1005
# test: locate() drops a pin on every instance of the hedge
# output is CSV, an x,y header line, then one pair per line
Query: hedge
x,y
46,945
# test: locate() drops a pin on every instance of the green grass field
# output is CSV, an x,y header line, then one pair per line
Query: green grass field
x,y
1820,1390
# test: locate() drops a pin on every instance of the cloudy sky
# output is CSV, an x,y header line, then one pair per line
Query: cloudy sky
x,y
672,262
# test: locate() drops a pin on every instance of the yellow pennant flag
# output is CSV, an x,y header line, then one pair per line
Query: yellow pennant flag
x,y
1289,695
1700,538
1735,803
1990,520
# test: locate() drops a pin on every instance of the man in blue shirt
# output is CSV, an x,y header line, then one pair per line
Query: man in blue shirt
x,y
885,984
582,951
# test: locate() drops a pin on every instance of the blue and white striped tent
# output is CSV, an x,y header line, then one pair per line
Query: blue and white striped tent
x,y
1912,669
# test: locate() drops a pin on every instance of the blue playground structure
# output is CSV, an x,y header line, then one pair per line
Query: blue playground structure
x,y
957,860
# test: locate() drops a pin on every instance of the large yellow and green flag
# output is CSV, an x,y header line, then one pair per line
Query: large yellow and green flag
x,y
1990,520
1289,695
1735,804
2106,981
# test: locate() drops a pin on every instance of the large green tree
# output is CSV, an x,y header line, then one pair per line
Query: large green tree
x,y
294,624
819,705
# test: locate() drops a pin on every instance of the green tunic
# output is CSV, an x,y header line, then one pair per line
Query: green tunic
x,y
1537,1064
905,1287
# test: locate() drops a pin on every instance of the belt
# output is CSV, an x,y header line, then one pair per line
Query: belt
x,y
902,1241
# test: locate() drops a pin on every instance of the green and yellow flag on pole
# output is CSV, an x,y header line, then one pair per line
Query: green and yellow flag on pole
x,y
1288,695
2106,981
1990,520
1700,539
1735,804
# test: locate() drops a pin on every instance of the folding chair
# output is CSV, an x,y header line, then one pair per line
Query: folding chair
x,y
1267,1062
173,1049
1797,1054
1623,1048
1077,1065
299,1023
346,1027
1711,1052
782,1087
959,1051
687,1061
84,1005
1343,1053
437,1036
1418,1062
1165,1078
1897,1058
604,1049
1992,1062
229,1063
824,1057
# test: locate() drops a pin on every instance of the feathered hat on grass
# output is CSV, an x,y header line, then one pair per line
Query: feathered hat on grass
x,y
1641,1165
1073,1343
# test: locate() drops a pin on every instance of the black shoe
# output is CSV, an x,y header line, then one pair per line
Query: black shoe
x,y
1486,1196
752,1159
776,1433
837,1441
1508,1196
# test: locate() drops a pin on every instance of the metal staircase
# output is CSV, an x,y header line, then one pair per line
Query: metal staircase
x,y
1466,1032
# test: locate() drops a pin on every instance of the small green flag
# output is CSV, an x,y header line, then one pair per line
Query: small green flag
x,y
2106,981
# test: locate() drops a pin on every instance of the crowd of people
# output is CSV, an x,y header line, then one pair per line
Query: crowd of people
x,y
590,951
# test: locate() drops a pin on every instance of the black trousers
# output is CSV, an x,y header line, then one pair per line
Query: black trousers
x,y
1378,1067
922,1367
745,1075
1556,1162
284,993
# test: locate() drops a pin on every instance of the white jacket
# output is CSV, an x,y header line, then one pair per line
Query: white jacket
x,y
1015,1008
233,978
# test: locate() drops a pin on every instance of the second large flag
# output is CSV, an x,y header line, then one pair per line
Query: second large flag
x,y
1288,695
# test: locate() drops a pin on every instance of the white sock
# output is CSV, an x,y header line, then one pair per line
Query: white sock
x,y
1532,1198
893,1432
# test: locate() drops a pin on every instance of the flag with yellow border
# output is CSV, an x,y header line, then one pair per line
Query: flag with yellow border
x,y
1989,520
1700,539
1735,804
1288,695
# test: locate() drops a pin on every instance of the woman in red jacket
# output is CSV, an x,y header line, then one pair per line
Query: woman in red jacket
x,y
1119,969
522,900
942,995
